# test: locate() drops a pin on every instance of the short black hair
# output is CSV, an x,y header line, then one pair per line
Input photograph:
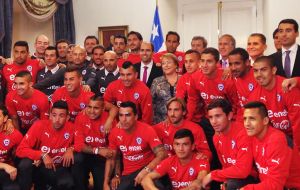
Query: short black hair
x,y
173,33
97,98
138,35
129,104
266,59
24,73
182,133
22,44
4,110
128,64
60,104
220,103
121,37
91,37
261,37
275,32
73,68
213,51
52,48
62,41
263,111
240,51
191,51
290,21
99,47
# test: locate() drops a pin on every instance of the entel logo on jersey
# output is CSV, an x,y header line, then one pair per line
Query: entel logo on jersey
x,y
250,86
12,77
139,140
6,142
204,95
136,95
221,87
67,135
262,170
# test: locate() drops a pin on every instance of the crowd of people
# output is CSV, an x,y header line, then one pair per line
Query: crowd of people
x,y
130,118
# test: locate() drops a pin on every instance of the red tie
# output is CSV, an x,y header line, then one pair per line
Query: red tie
x,y
145,74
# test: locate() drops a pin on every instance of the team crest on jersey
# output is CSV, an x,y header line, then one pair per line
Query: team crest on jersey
x,y
136,95
67,135
191,171
6,142
221,87
278,98
82,105
139,140
34,107
232,144
179,58
101,128
83,72
250,86
29,68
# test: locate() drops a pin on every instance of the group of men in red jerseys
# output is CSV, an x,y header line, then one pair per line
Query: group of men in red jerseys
x,y
239,125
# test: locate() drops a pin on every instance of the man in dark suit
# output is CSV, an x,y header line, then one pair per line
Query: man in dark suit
x,y
287,60
147,69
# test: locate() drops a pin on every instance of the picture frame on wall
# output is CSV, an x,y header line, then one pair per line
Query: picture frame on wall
x,y
105,32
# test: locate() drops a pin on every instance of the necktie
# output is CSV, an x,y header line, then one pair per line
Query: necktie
x,y
109,78
223,64
287,64
145,74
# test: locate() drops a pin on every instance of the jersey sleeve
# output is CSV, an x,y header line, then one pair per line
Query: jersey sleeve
x,y
108,95
292,101
152,137
146,107
180,88
278,159
192,100
243,165
79,142
201,142
232,95
163,167
44,107
112,139
30,140
10,105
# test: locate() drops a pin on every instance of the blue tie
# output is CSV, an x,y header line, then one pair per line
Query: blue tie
x,y
287,64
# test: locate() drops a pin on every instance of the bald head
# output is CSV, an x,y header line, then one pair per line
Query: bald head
x,y
40,45
79,55
110,61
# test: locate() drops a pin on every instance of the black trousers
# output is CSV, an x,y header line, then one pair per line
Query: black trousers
x,y
233,184
6,183
127,182
83,165
61,179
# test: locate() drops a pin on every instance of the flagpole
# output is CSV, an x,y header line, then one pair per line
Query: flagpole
x,y
156,2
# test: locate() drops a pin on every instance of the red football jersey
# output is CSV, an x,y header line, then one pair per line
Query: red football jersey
x,y
7,144
43,138
166,134
135,147
132,57
10,71
277,164
28,110
244,86
182,176
235,154
283,108
139,93
183,85
90,132
205,89
180,57
75,104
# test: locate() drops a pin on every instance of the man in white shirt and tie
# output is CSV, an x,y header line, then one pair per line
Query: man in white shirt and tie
x,y
147,69
287,60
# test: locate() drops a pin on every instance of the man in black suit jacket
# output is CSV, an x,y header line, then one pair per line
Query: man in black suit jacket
x,y
152,70
288,32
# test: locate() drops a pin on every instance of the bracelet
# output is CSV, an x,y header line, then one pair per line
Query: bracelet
x,y
147,169
96,150
44,155
117,176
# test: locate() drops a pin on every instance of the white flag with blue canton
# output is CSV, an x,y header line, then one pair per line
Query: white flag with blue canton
x,y
157,38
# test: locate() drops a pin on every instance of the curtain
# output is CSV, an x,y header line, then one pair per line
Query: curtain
x,y
64,25
6,22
